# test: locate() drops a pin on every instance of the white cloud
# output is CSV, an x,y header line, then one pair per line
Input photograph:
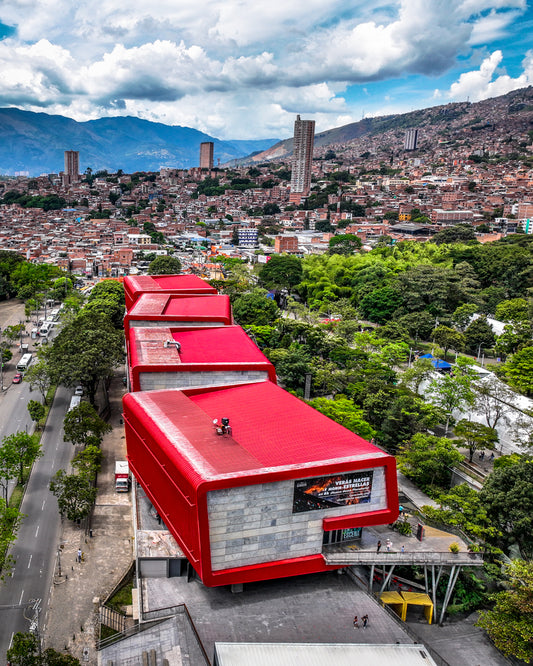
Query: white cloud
x,y
239,68
480,84
492,26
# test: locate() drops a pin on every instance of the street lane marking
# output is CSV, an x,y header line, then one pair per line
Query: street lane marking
x,y
37,530
44,502
21,595
29,563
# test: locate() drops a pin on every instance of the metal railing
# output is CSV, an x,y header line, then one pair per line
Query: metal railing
x,y
365,557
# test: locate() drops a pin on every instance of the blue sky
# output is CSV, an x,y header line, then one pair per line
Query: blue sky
x,y
243,69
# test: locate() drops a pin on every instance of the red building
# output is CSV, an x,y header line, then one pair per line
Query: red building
x,y
163,309
162,358
135,285
259,493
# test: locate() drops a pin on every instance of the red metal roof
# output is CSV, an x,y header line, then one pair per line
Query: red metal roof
x,y
134,285
271,429
227,345
182,306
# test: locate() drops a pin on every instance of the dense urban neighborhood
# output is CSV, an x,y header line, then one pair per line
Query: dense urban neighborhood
x,y
315,361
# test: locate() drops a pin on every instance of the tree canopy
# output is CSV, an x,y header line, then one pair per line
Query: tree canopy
x,y
85,352
255,308
508,499
75,494
281,272
164,265
510,622
82,426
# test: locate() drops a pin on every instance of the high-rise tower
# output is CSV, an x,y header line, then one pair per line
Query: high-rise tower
x,y
302,158
206,155
71,174
411,139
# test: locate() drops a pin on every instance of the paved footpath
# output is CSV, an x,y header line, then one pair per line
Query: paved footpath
x,y
72,619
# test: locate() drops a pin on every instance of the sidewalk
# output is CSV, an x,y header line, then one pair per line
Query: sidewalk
x,y
71,620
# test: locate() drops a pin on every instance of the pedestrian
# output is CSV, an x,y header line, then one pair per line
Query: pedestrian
x,y
78,558
492,456
403,549
482,456
389,545
378,548
356,622
365,621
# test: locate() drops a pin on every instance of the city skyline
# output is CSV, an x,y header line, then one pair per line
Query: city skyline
x,y
243,70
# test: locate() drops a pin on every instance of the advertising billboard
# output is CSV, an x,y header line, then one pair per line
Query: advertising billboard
x,y
326,492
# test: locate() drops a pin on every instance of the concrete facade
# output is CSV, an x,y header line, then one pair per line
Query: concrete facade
x,y
153,381
253,524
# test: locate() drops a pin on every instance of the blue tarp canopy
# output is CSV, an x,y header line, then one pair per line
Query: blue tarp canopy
x,y
438,363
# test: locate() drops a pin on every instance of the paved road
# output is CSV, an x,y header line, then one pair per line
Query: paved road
x,y
36,546
14,414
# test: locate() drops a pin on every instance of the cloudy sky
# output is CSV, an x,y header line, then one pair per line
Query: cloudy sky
x,y
242,69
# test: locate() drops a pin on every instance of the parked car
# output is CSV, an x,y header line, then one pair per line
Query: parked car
x,y
78,390
17,378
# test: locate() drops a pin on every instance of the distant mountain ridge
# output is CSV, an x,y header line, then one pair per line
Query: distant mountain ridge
x,y
512,111
35,142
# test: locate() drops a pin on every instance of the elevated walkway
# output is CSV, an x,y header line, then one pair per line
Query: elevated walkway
x,y
351,557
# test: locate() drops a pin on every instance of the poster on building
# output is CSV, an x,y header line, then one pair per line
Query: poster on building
x,y
325,492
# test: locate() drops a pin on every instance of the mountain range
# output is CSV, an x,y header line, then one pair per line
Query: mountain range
x,y
35,142
503,116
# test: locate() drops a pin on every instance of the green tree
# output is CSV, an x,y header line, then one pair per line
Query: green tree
x,y
479,335
255,308
36,410
164,265
428,461
404,415
108,288
8,466
344,244
88,461
454,392
380,304
509,623
419,372
514,337
83,426
447,338
75,494
38,376
12,333
281,272
463,314
22,449
343,411
519,370
475,436
25,651
60,289
291,366
512,310
110,307
460,233
464,508
85,352
507,495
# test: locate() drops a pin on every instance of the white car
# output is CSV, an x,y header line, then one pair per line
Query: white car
x,y
79,390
